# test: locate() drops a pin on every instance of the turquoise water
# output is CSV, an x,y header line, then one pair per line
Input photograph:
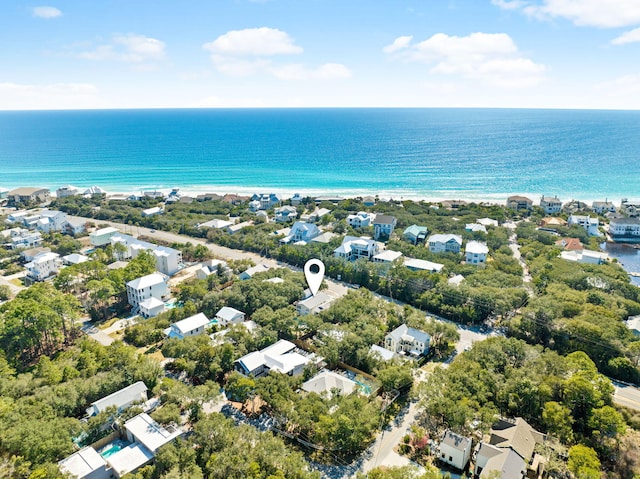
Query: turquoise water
x,y
469,153
113,447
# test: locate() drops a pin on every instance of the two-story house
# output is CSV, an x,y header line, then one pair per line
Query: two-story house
x,y
550,204
445,243
353,248
476,252
406,340
383,226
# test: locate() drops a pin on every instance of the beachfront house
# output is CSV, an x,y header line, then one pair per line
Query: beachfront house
x,y
624,228
267,201
191,326
28,195
476,252
67,190
519,203
314,304
153,285
328,384
353,248
630,208
102,236
603,207
383,226
280,357
296,199
406,340
360,220
121,399
455,450
415,234
228,315
550,204
445,243
590,224
43,265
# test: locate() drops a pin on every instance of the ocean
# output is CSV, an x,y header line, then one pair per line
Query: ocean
x,y
478,154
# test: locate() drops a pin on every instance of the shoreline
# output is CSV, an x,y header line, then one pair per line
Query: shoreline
x,y
433,196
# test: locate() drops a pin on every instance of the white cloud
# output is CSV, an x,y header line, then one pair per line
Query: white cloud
x,y
17,96
328,71
491,57
595,13
631,36
259,42
624,85
398,44
46,12
130,48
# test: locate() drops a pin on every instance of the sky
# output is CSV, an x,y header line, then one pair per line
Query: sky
x,y
78,54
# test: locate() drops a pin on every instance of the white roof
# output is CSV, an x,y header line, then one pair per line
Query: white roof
x,y
274,280
314,301
487,222
215,224
82,463
445,238
456,280
422,264
327,381
475,227
256,269
227,313
274,357
151,303
388,255
122,397
475,247
44,257
634,323
146,281
107,230
151,211
75,258
385,354
192,322
129,458
284,363
150,433
324,237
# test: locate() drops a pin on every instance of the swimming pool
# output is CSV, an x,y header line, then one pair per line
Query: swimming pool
x,y
113,447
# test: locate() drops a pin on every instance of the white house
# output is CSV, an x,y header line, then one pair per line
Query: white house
x,y
86,464
29,254
317,214
216,224
476,252
191,326
550,204
102,236
285,213
445,243
249,273
328,383
280,357
387,256
519,203
168,260
314,304
361,220
455,450
381,353
22,238
156,210
587,222
75,226
51,221
585,256
232,229
383,225
603,207
624,227
633,324
416,234
121,400
422,265
301,231
487,222
475,228
43,265
74,258
94,190
353,248
228,315
628,208
153,285
406,340
151,307
212,266
67,190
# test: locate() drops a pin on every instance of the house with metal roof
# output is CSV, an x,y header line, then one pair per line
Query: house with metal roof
x,y
228,315
383,225
280,357
122,399
328,383
415,234
445,243
191,326
455,450
406,340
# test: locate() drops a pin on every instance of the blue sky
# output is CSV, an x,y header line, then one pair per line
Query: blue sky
x,y
72,54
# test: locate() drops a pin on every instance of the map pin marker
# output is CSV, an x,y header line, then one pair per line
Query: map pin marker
x,y
314,272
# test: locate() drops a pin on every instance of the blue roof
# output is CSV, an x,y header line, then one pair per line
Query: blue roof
x,y
415,230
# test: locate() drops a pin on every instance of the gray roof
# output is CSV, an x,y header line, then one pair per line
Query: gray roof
x,y
509,464
416,333
384,220
122,397
625,221
455,440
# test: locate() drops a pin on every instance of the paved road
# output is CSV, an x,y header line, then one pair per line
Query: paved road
x,y
6,280
627,396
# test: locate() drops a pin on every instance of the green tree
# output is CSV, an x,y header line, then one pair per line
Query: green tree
x,y
584,462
